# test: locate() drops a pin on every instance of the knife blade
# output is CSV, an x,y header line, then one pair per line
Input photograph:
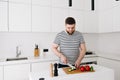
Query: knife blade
x,y
71,66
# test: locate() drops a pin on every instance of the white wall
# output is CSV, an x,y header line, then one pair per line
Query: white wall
x,y
9,41
109,43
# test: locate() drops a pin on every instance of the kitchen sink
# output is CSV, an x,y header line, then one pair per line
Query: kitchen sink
x,y
17,58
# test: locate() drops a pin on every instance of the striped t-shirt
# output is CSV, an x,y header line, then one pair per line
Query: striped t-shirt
x,y
69,45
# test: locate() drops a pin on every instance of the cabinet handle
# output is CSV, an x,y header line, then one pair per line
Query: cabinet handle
x,y
92,5
70,3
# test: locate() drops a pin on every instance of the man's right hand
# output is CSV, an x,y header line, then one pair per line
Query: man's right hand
x,y
63,59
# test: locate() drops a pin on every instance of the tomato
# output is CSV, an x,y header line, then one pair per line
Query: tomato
x,y
82,68
87,68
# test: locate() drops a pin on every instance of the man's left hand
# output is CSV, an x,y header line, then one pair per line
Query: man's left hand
x,y
77,63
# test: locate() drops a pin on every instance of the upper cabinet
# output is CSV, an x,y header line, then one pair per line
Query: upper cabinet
x,y
86,18
108,13
104,5
77,9
116,17
81,5
3,16
4,0
79,17
41,15
60,3
19,15
59,13
106,21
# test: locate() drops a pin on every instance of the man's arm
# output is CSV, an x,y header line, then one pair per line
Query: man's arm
x,y
81,55
60,55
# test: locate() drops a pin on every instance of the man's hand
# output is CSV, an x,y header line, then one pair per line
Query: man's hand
x,y
77,63
63,59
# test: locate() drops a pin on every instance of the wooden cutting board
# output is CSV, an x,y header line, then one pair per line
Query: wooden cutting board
x,y
74,71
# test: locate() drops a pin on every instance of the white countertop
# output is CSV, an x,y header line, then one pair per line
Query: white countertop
x,y
101,73
47,57
112,56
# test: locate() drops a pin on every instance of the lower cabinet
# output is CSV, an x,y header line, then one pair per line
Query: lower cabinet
x,y
16,72
41,66
1,72
110,63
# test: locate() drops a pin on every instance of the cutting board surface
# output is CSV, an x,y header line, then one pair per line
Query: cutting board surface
x,y
74,71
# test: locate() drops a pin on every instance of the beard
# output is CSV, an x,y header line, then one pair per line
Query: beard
x,y
70,33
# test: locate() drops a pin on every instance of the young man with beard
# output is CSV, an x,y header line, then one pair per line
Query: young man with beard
x,y
71,45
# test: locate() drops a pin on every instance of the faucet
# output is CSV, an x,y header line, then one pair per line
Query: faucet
x,y
18,51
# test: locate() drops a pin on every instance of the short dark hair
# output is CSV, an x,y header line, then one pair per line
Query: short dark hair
x,y
70,20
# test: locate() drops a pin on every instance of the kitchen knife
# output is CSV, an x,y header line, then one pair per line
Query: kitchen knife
x,y
71,66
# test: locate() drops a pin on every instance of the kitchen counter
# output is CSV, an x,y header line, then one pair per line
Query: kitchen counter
x,y
101,73
111,56
47,57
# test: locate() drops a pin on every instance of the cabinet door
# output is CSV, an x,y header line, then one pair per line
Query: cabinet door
x,y
41,18
3,0
19,15
116,18
1,72
3,16
77,4
58,19
41,66
90,22
111,63
60,3
104,5
78,15
16,72
41,2
106,21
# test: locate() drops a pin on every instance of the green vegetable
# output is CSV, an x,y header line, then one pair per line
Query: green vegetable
x,y
71,69
91,68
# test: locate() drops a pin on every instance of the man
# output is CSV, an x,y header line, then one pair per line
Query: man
x,y
71,45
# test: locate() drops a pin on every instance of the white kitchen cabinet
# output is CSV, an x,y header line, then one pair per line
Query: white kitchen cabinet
x,y
41,66
58,19
41,16
41,2
3,0
1,72
41,19
3,16
110,63
79,17
81,5
90,22
59,14
109,18
104,5
106,21
16,72
77,4
116,18
60,3
19,15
